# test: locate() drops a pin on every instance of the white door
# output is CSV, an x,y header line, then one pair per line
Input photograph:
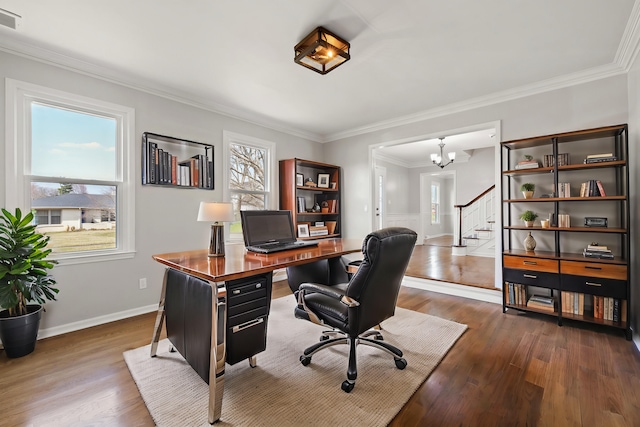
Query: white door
x,y
380,197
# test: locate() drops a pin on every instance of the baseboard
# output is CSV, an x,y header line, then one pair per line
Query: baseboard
x,y
95,321
471,292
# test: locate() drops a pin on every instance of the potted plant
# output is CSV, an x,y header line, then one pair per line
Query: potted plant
x,y
528,217
527,190
23,279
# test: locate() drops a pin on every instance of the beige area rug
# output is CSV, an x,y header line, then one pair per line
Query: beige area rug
x,y
282,392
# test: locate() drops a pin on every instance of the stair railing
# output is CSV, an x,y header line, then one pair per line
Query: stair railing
x,y
479,209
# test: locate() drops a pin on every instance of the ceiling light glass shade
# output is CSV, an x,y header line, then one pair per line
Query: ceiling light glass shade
x,y
436,159
322,51
215,212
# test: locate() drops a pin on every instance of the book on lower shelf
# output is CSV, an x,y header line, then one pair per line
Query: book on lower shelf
x,y
317,231
541,302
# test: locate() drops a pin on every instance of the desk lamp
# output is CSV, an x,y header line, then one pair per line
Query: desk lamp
x,y
216,213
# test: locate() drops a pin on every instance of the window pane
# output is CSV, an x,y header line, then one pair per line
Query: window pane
x,y
72,144
244,202
247,167
77,217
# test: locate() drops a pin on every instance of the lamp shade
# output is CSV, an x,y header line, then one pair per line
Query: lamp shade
x,y
215,212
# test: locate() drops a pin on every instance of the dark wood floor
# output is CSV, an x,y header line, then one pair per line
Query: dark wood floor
x,y
433,260
506,370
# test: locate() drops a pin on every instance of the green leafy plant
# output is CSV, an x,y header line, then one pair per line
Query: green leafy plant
x,y
23,264
528,157
527,186
528,216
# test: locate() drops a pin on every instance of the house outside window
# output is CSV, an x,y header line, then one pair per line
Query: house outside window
x,y
249,176
435,203
74,166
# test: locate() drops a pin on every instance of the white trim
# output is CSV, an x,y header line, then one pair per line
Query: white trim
x,y
17,166
628,47
472,292
95,321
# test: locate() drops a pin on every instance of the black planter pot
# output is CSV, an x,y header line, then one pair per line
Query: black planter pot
x,y
19,334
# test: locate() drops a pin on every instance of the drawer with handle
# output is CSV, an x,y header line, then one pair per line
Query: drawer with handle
x,y
595,286
594,269
530,263
533,278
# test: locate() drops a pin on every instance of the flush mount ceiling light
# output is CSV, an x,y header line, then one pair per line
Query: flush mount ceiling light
x,y
437,158
322,51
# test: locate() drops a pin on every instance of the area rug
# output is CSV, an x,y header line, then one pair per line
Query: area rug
x,y
280,391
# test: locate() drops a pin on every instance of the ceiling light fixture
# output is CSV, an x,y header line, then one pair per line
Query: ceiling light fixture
x,y
322,51
437,158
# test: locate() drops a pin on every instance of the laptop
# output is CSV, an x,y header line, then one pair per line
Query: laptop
x,y
266,232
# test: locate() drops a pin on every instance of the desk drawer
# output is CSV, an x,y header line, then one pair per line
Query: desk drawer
x,y
236,309
594,269
246,291
246,316
530,263
595,286
532,278
246,340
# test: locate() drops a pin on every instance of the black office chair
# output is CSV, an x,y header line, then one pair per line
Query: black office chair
x,y
364,302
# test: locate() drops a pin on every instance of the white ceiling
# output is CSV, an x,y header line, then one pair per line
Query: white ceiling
x,y
410,58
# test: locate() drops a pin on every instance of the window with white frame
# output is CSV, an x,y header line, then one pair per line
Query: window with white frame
x,y
249,165
70,159
435,203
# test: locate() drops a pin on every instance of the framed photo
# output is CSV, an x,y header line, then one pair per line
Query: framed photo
x,y
299,180
323,180
303,230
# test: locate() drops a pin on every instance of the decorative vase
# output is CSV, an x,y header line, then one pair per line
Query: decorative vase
x,y
527,194
19,333
528,223
529,243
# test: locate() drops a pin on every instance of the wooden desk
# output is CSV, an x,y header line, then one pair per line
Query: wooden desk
x,y
237,264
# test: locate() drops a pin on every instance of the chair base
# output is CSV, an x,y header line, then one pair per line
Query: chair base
x,y
352,373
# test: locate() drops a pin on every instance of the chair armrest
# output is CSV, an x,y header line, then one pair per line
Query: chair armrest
x,y
329,291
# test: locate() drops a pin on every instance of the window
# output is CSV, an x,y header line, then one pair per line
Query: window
x,y
70,159
435,203
249,176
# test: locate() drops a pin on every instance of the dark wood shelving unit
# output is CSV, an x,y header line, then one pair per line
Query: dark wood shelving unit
x,y
557,268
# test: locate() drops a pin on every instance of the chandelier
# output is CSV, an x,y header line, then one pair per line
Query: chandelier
x,y
437,158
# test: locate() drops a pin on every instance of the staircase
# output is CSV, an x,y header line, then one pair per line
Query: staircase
x,y
475,234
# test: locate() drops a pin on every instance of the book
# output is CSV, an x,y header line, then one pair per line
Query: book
x,y
597,247
600,188
600,159
528,165
595,156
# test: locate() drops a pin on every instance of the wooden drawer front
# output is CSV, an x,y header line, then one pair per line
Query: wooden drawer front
x,y
535,264
595,286
594,269
534,278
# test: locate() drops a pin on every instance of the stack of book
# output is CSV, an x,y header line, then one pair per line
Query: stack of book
x,y
608,308
528,164
573,302
302,204
564,189
563,160
517,294
318,230
597,251
597,158
592,188
540,302
564,221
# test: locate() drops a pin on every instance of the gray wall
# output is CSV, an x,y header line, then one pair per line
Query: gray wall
x,y
165,217
634,182
397,187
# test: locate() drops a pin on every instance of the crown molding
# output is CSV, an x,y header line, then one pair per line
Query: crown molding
x,y
110,75
630,42
548,85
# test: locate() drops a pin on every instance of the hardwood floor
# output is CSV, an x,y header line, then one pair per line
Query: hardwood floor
x,y
434,261
506,370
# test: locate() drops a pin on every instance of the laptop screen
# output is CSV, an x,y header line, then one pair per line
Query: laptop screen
x,y
259,227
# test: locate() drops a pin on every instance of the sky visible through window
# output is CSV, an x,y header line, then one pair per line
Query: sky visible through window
x,y
70,144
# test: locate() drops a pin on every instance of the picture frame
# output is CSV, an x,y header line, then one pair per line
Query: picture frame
x,y
303,230
299,180
323,180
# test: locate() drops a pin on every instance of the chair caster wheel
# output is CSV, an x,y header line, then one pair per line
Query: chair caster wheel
x,y
400,363
347,386
305,360
323,337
